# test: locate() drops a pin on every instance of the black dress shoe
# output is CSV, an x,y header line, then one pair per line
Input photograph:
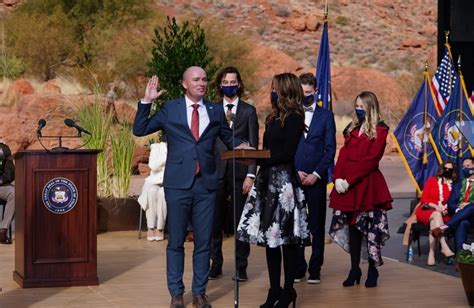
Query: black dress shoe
x,y
241,276
214,273
314,279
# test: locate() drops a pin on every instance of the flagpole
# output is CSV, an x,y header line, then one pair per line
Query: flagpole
x,y
460,102
425,114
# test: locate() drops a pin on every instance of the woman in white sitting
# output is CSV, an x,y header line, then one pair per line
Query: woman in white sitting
x,y
152,198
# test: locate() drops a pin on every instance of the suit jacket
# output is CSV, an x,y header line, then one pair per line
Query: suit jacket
x,y
183,150
316,152
245,128
453,200
7,169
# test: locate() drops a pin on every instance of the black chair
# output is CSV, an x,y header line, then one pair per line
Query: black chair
x,y
3,203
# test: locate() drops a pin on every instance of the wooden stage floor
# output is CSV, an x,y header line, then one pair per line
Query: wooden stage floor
x,y
132,274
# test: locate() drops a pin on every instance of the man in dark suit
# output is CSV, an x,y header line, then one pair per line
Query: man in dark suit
x,y
7,191
192,126
314,156
241,117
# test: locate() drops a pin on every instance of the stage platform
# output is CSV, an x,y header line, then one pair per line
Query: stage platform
x,y
132,274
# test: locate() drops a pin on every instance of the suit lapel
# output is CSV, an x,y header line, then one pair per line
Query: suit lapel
x,y
239,113
210,113
183,116
312,125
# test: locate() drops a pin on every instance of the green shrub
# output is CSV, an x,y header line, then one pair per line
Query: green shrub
x,y
465,256
11,67
97,120
177,47
122,146
42,43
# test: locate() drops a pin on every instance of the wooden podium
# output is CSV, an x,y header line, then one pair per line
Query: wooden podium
x,y
55,238
245,154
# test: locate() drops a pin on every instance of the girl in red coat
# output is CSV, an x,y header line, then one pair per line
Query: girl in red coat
x,y
432,208
360,197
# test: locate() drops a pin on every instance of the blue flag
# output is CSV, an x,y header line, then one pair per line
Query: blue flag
x,y
446,137
412,136
323,71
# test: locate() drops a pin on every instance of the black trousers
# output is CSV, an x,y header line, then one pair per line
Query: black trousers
x,y
316,199
224,193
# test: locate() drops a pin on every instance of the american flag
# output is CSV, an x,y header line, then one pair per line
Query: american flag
x,y
444,80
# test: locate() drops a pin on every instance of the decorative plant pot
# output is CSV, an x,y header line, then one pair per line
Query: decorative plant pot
x,y
118,214
467,276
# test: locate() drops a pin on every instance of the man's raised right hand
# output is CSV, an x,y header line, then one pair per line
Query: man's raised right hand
x,y
151,91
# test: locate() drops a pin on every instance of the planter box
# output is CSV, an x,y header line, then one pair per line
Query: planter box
x,y
118,214
467,276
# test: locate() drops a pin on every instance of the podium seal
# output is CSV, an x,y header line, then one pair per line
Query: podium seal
x,y
59,195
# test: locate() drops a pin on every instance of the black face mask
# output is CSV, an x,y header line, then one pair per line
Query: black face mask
x,y
448,173
467,172
308,100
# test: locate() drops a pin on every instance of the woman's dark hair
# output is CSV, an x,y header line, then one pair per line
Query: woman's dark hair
x,y
221,75
290,97
439,172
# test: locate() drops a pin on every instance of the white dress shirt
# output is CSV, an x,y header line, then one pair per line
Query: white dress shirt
x,y
203,116
308,117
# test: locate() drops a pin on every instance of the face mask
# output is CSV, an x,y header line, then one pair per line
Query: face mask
x,y
467,172
274,98
229,91
308,100
360,113
448,173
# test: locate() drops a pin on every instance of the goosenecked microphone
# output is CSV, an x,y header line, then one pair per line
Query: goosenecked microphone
x,y
71,123
41,124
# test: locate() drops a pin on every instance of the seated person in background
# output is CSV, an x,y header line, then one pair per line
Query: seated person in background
x,y
460,204
152,198
7,190
432,208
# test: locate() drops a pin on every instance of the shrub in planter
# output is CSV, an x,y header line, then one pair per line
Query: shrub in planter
x,y
465,259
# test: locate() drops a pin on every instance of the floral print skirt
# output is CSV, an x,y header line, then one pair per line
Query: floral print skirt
x,y
275,211
372,224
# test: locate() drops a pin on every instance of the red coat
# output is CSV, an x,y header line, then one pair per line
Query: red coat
x,y
358,163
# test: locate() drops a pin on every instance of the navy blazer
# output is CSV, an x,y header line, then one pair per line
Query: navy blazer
x,y
183,150
453,200
316,152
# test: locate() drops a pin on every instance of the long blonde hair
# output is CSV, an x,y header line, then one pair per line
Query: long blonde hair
x,y
372,115
290,97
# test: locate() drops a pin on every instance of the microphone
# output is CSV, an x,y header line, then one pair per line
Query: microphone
x,y
41,124
71,123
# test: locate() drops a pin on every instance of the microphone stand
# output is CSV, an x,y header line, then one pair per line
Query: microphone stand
x,y
236,279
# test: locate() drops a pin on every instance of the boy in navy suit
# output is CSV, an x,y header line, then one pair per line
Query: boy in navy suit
x,y
314,156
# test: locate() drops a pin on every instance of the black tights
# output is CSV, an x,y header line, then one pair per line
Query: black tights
x,y
355,246
290,253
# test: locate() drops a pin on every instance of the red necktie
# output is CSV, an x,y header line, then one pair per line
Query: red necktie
x,y
195,128
468,191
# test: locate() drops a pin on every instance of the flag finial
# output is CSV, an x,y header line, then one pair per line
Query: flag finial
x,y
326,10
446,36
459,63
426,66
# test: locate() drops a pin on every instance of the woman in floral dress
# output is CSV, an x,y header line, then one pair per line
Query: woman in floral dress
x,y
360,197
274,215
